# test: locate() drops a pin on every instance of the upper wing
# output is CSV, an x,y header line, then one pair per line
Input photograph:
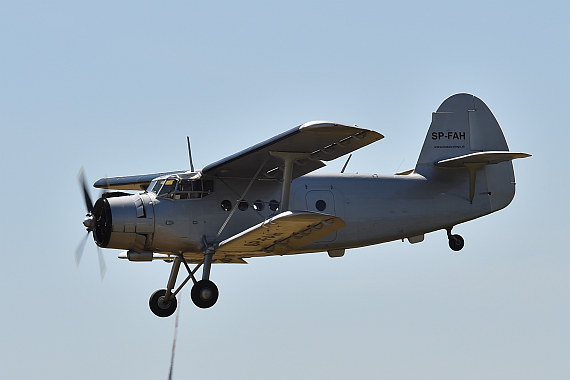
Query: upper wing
x,y
131,182
284,233
320,140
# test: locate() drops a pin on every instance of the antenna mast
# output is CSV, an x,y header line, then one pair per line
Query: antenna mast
x,y
190,153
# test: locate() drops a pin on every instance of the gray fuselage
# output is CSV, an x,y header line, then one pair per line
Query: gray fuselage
x,y
376,208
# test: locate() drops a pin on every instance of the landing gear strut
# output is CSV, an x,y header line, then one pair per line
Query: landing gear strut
x,y
204,293
456,242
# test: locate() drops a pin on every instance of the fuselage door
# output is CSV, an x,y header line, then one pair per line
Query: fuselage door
x,y
322,201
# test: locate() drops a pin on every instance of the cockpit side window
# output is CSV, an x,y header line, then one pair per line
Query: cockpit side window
x,y
168,186
208,186
194,188
181,188
197,185
185,185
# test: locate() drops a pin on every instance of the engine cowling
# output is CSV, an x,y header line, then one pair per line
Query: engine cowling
x,y
124,221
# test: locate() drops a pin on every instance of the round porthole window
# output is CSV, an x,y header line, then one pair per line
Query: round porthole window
x,y
321,205
226,205
273,205
258,205
243,205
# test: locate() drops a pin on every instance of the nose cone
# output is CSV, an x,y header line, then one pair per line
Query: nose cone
x,y
89,222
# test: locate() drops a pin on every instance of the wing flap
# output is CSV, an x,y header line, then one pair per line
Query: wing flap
x,y
281,234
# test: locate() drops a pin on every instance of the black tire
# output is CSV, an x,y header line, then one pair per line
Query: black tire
x,y
456,242
204,294
160,308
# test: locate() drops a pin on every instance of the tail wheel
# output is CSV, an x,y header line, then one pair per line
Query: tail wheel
x,y
456,242
204,294
159,306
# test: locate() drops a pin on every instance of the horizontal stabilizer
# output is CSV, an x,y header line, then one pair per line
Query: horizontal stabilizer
x,y
475,161
480,158
281,234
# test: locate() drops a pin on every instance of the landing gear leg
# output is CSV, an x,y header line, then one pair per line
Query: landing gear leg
x,y
456,242
205,293
162,302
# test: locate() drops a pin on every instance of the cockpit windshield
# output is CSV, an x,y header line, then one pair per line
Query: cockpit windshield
x,y
175,187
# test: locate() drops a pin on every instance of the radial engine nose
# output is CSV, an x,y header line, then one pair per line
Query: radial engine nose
x,y
88,222
123,221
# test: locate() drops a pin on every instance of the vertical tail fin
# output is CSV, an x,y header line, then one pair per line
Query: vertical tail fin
x,y
462,125
465,141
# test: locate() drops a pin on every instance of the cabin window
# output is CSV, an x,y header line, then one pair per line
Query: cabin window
x,y
226,205
273,205
258,205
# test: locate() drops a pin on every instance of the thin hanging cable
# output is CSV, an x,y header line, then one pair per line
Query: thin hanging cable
x,y
174,343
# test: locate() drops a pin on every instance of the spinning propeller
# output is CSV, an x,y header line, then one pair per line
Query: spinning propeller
x,y
89,222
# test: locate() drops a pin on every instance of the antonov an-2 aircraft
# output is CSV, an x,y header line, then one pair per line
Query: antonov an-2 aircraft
x,y
265,201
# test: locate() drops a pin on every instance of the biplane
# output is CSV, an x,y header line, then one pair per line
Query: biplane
x,y
266,200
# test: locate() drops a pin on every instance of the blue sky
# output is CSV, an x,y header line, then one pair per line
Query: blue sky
x,y
116,87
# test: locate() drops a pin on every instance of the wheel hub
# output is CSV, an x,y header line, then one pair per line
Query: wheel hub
x,y
206,294
162,303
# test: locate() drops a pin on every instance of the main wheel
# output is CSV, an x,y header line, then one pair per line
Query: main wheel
x,y
159,307
456,242
204,294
